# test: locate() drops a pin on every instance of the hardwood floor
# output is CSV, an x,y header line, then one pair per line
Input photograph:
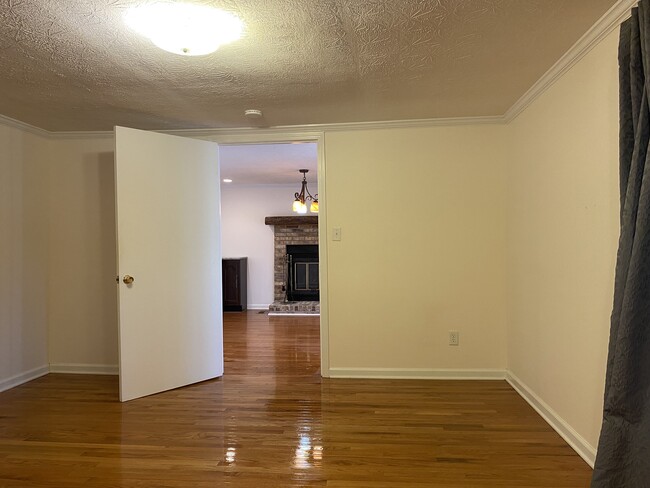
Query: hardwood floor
x,y
273,422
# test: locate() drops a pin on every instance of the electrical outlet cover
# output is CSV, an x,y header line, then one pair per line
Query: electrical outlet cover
x,y
453,338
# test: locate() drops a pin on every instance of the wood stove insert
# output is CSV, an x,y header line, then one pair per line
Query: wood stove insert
x,y
302,273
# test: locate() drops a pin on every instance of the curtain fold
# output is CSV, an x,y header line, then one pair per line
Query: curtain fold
x,y
623,459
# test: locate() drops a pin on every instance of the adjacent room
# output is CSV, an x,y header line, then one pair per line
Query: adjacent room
x,y
334,243
259,185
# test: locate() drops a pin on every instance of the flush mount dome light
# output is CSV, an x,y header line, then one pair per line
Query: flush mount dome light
x,y
184,28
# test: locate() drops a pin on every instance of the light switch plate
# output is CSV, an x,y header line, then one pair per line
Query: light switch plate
x,y
336,234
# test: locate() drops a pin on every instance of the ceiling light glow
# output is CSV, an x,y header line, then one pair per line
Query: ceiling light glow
x,y
184,28
252,113
227,180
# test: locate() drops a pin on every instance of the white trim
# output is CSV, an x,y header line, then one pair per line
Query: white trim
x,y
334,127
295,314
258,306
619,12
323,253
238,135
79,368
263,136
23,378
419,373
17,124
270,134
82,134
579,444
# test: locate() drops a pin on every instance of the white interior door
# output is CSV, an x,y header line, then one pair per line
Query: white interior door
x,y
168,238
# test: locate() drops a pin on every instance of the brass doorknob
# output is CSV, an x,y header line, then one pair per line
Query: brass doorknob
x,y
128,279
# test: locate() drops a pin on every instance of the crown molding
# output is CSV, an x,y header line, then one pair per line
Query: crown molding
x,y
346,126
247,135
81,134
17,124
308,130
619,12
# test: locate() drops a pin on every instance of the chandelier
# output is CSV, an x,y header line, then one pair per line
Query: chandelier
x,y
301,198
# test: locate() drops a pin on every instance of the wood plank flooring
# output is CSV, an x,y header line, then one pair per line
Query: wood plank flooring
x,y
273,422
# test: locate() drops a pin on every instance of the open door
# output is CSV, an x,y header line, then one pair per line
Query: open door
x,y
169,245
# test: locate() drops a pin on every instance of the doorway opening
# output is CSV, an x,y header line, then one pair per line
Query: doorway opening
x,y
259,181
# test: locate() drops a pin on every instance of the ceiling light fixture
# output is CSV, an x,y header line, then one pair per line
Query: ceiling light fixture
x,y
252,113
302,197
227,180
184,28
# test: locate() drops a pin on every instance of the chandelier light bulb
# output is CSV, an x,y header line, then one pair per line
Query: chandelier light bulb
x,y
184,28
303,197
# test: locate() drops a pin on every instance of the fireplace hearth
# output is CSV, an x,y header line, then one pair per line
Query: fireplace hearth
x,y
291,233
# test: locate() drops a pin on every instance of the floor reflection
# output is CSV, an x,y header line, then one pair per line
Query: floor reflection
x,y
309,452
273,422
231,455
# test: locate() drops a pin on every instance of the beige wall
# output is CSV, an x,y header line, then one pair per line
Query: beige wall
x,y
243,232
562,238
434,216
82,299
23,254
422,217
57,253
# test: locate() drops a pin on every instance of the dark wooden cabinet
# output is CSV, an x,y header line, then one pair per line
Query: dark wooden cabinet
x,y
234,273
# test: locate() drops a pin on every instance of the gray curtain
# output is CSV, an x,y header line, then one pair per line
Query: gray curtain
x,y
623,459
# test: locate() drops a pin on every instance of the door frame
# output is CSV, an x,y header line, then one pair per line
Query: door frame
x,y
271,136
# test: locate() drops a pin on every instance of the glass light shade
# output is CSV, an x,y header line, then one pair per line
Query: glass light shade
x,y
314,207
302,209
182,28
296,206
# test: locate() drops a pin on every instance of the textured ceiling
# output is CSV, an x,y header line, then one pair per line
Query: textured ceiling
x,y
269,164
74,65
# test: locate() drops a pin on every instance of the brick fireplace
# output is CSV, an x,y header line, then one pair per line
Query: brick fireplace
x,y
290,231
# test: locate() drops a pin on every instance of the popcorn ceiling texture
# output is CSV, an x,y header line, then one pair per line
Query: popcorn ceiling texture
x,y
74,65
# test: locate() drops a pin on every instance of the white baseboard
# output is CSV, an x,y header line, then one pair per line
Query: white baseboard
x,y
579,444
418,373
21,378
293,314
258,306
78,368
